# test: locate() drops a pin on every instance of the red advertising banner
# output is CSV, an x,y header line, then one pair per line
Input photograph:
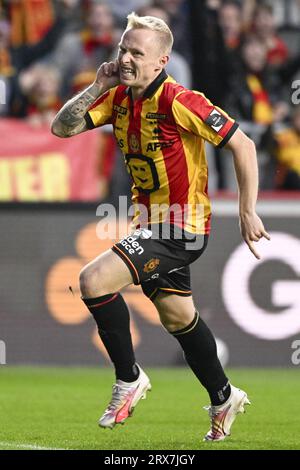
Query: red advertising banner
x,y
37,166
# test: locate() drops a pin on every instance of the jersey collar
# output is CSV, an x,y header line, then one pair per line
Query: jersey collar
x,y
153,87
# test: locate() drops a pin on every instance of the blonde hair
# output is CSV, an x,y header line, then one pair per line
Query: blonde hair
x,y
154,24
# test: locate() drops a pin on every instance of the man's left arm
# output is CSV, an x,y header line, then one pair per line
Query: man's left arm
x,y
245,163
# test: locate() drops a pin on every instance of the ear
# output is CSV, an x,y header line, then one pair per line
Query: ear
x,y
164,60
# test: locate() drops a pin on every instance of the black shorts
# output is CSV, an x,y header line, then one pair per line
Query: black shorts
x,y
159,259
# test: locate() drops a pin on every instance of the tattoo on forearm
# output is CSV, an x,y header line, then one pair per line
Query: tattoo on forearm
x,y
70,119
74,111
69,130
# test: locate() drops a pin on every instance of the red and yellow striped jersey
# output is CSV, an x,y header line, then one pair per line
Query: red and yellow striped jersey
x,y
288,149
162,136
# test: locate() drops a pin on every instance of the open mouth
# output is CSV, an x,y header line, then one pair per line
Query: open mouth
x,y
127,73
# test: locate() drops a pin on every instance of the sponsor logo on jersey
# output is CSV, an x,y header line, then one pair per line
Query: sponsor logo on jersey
x,y
156,116
153,146
131,245
216,120
120,109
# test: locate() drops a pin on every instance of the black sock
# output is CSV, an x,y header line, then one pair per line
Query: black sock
x,y
112,317
200,352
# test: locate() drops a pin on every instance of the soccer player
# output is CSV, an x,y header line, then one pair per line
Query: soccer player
x,y
161,128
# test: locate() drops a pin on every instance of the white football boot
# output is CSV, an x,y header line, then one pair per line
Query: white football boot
x,y
125,397
223,416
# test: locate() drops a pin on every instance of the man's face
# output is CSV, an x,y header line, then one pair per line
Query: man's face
x,y
264,22
100,20
140,57
230,20
255,56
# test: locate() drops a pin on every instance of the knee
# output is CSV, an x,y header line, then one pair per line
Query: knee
x,y
84,278
174,322
170,325
89,282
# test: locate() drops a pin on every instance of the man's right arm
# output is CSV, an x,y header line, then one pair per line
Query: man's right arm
x,y
70,120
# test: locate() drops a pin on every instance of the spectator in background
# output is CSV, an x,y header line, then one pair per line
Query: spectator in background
x,y
233,29
177,66
78,54
210,64
77,57
178,12
41,84
13,59
121,9
265,28
231,22
256,100
30,21
256,92
212,68
287,155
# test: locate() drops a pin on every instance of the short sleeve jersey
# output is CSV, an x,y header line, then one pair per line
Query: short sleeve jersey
x,y
162,137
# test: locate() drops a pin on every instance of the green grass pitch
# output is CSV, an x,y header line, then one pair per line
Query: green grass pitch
x,y
59,408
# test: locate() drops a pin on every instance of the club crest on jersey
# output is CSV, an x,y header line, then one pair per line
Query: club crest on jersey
x,y
134,143
151,265
216,120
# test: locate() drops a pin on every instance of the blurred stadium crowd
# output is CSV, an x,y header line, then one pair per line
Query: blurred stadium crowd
x,y
244,55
